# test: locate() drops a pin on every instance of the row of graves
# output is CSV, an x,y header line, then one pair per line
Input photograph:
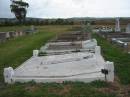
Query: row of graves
x,y
4,36
102,29
121,39
69,56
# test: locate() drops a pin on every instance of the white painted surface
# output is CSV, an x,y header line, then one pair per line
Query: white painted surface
x,y
110,67
88,45
117,26
82,66
59,65
35,53
128,28
97,50
8,74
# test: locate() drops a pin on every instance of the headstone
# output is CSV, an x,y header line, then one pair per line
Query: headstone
x,y
7,35
128,28
2,36
35,53
97,50
110,67
12,34
16,34
8,75
32,28
117,26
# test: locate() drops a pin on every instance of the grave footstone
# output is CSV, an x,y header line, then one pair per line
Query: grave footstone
x,y
35,53
8,74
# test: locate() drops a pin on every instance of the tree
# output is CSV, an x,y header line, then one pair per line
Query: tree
x,y
19,8
60,21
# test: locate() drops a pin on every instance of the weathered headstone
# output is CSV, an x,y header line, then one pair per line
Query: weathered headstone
x,y
128,28
7,35
110,67
8,74
2,36
32,28
117,26
35,53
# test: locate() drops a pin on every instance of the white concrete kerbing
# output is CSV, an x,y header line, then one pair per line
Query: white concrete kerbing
x,y
121,41
88,45
75,66
8,75
35,53
110,67
83,66
97,50
128,28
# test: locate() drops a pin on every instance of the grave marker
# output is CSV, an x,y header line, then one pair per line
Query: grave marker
x,y
117,26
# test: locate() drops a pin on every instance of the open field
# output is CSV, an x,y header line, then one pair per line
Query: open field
x,y
16,51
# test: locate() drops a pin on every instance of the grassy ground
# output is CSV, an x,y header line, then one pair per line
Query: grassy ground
x,y
16,51
119,57
66,89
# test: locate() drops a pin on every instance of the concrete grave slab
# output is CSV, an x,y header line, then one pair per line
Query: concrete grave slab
x,y
67,47
81,66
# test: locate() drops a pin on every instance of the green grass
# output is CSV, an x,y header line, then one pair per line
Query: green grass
x,y
118,56
16,51
13,28
67,89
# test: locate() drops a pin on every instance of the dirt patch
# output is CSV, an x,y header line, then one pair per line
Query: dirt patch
x,y
117,88
60,91
32,88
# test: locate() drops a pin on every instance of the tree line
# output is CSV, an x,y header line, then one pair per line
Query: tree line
x,y
37,22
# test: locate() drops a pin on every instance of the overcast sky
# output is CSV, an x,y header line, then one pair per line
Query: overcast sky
x,y
71,8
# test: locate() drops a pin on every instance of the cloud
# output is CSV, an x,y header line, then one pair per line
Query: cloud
x,y
71,8
5,9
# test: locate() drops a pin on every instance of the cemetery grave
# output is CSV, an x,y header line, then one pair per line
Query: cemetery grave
x,y
13,34
119,38
122,42
86,64
102,29
128,28
114,35
69,42
73,36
